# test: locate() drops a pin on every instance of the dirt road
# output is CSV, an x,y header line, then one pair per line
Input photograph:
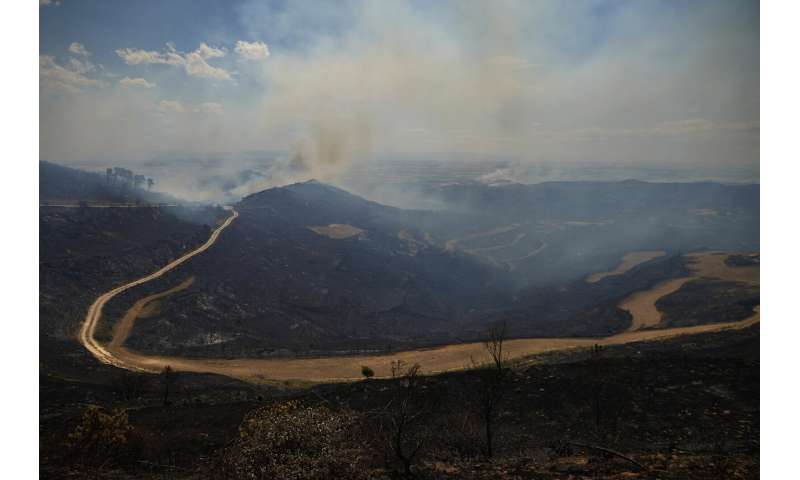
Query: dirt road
x,y
345,368
434,360
86,335
642,305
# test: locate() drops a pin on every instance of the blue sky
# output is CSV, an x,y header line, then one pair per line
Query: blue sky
x,y
649,82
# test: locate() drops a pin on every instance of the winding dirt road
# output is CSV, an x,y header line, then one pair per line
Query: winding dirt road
x,y
86,335
346,368
642,305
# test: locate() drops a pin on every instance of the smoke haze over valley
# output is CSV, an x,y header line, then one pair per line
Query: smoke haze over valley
x,y
367,239
559,87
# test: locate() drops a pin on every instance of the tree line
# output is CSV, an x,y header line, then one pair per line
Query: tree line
x,y
122,177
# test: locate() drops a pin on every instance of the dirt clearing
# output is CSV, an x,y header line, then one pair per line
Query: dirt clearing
x,y
629,261
641,305
337,231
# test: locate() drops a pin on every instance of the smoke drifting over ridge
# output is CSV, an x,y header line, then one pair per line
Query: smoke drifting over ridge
x,y
634,83
378,87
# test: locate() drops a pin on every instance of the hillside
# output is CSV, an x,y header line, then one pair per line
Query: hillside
x,y
282,279
60,184
312,269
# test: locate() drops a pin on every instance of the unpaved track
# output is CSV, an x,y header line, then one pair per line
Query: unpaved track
x,y
642,305
123,328
86,335
434,360
346,368
629,261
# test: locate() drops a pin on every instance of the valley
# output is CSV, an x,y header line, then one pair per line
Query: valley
x,y
406,240
292,291
436,360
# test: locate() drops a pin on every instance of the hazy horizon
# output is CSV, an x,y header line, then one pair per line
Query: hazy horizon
x,y
329,88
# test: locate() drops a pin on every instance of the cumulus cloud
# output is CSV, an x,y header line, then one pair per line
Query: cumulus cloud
x,y
194,63
206,52
66,78
639,83
136,82
81,66
133,56
252,50
78,49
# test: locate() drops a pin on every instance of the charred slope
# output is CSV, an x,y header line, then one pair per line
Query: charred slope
x,y
587,226
579,308
708,301
63,184
593,200
272,282
83,252
310,268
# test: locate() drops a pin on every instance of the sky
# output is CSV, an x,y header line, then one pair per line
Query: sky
x,y
333,84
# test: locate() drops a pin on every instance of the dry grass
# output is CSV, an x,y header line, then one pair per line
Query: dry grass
x,y
629,261
641,305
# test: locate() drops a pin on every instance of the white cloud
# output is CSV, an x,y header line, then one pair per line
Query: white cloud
x,y
252,50
69,78
197,66
78,49
207,52
137,57
47,3
81,66
136,82
390,77
194,63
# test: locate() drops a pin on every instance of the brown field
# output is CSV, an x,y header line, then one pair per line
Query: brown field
x,y
712,265
629,261
337,231
641,305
